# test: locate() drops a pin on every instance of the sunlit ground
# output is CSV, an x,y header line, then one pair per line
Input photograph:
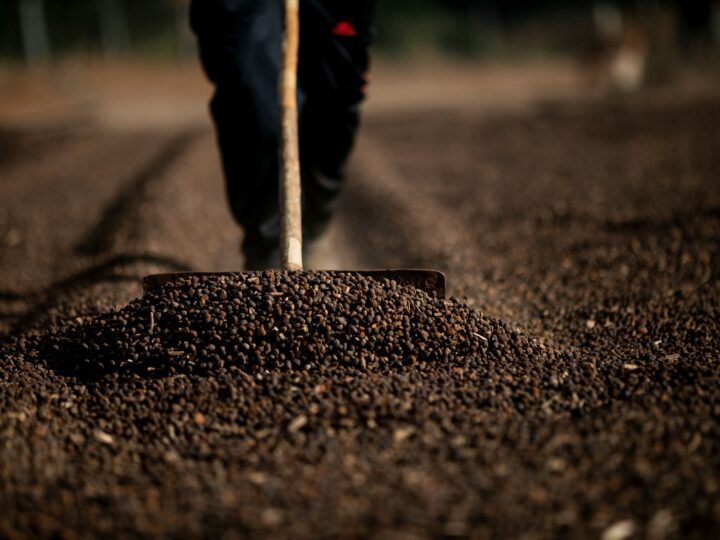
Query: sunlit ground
x,y
134,93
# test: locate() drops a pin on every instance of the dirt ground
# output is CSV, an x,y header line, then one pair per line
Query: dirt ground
x,y
590,227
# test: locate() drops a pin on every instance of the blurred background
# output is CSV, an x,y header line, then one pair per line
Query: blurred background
x,y
33,31
610,46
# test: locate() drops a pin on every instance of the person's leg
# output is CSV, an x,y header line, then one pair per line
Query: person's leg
x,y
335,37
240,44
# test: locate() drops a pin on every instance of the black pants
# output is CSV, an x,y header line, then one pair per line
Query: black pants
x,y
240,47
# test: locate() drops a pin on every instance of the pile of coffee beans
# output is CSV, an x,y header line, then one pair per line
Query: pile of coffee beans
x,y
279,321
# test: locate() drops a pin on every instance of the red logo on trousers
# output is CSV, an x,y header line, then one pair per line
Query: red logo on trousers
x,y
344,29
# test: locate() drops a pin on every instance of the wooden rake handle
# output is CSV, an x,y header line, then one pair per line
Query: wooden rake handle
x,y
290,206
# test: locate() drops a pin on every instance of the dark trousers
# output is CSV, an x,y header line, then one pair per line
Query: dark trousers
x,y
240,47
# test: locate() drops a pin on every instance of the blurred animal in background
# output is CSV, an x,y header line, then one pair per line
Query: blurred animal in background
x,y
640,42
615,56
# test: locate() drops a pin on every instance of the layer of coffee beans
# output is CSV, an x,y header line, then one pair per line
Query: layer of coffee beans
x,y
594,227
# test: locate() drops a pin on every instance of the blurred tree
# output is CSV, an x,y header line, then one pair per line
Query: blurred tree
x,y
185,42
36,44
113,26
154,27
696,18
74,27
